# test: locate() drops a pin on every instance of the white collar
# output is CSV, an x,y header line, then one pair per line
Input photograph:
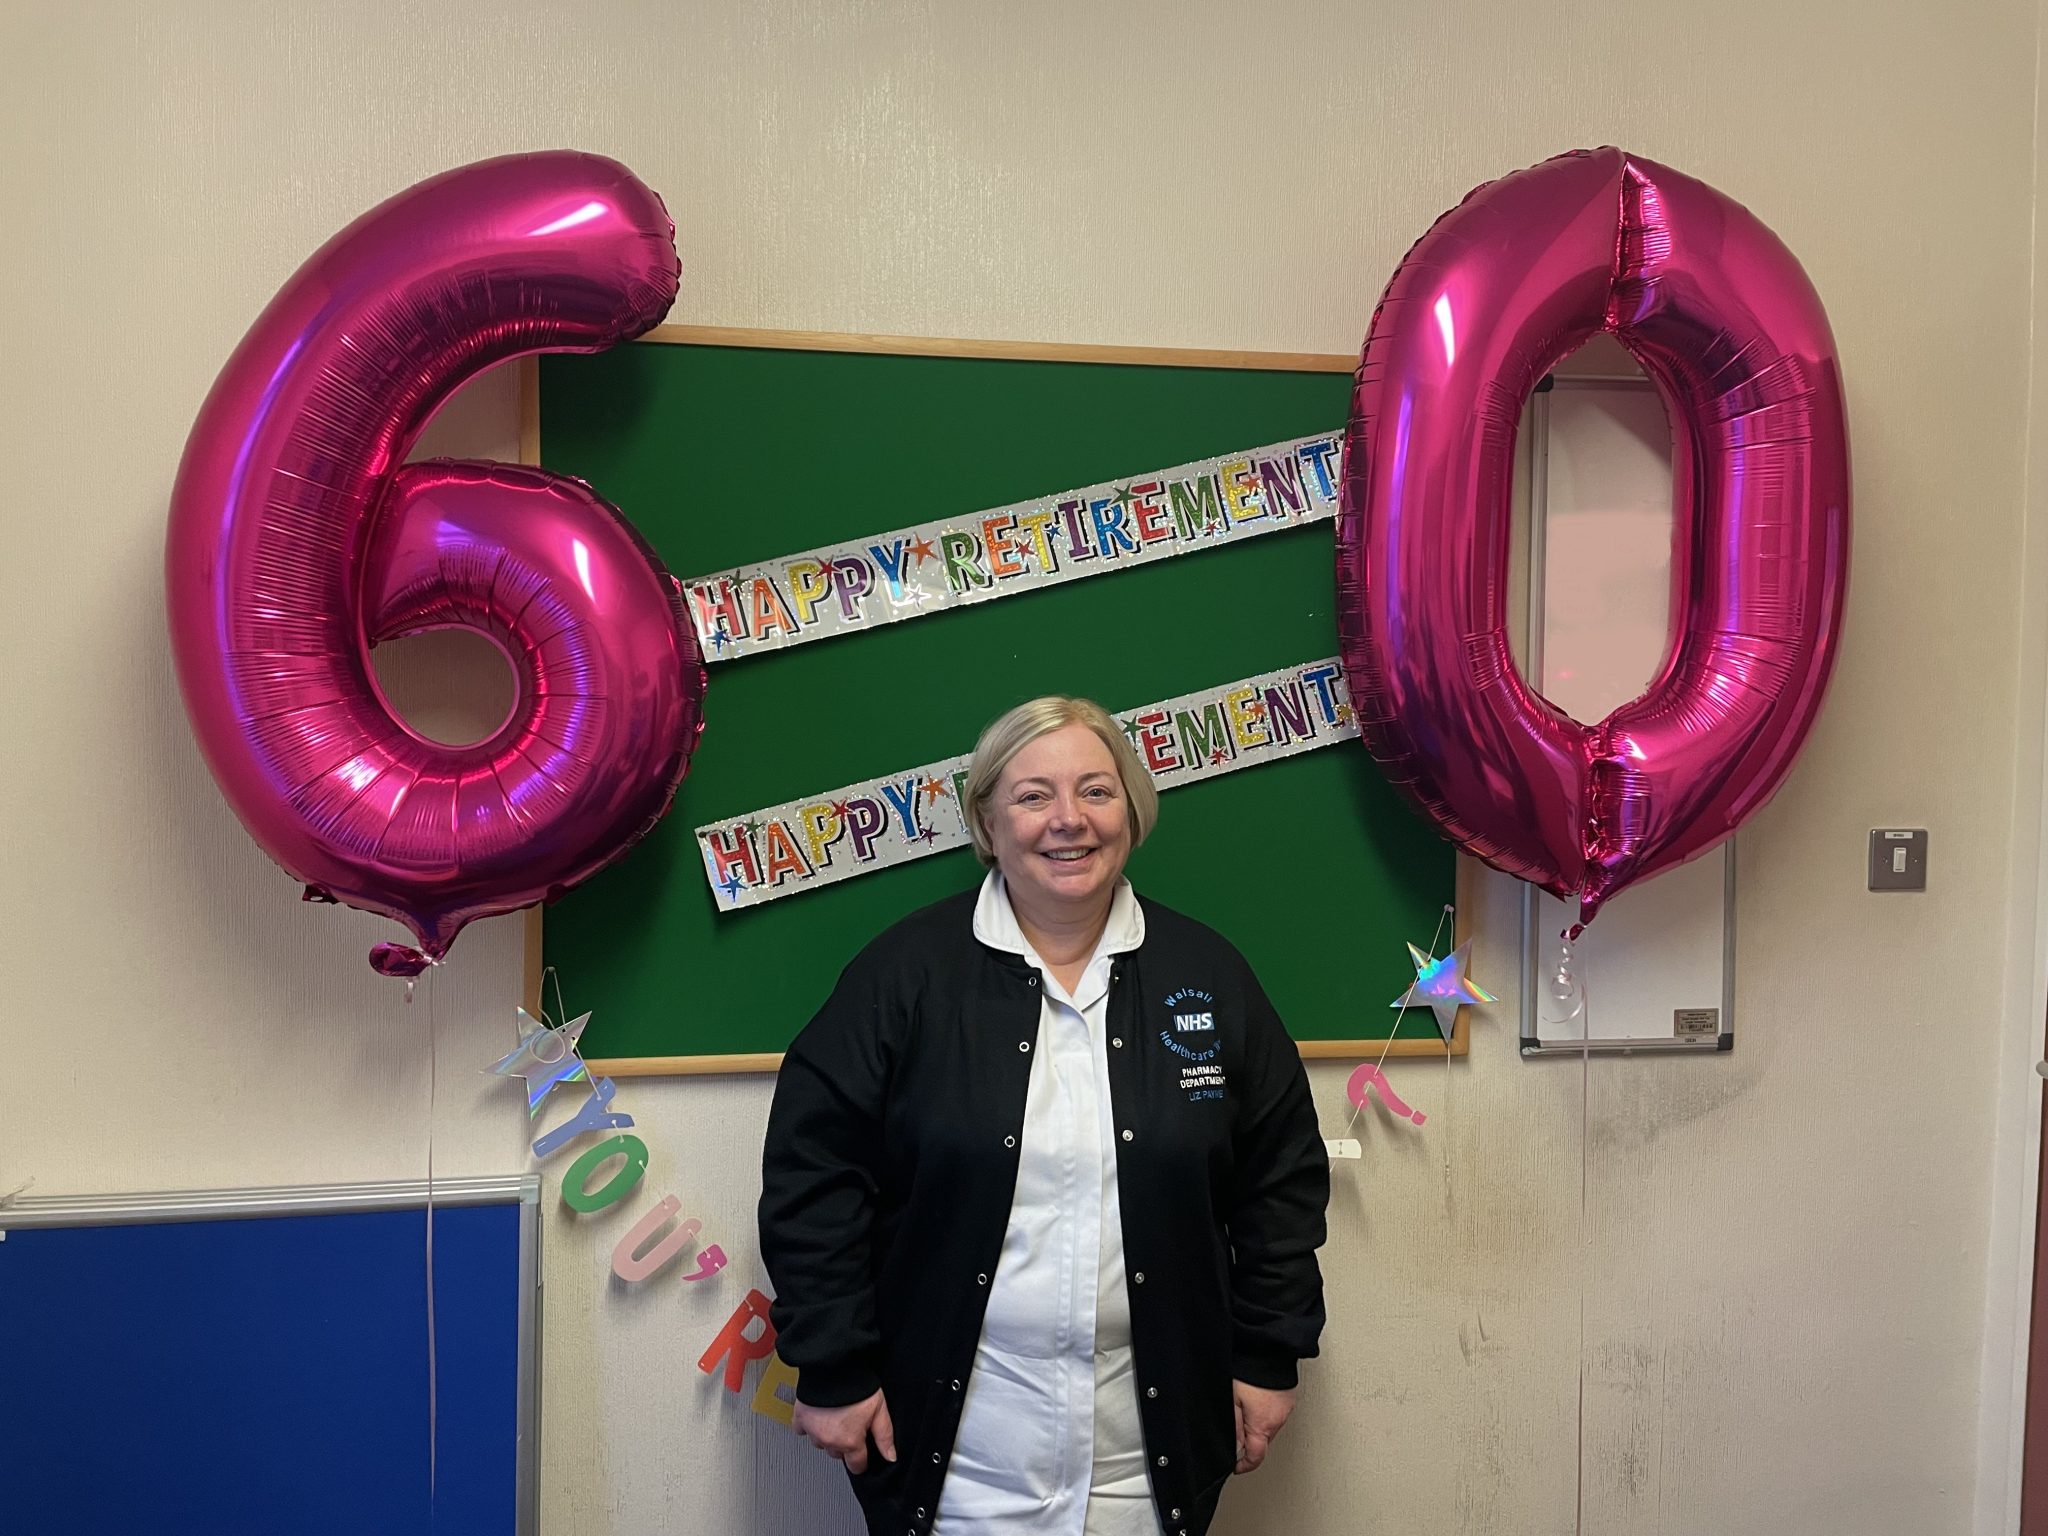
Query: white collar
x,y
996,925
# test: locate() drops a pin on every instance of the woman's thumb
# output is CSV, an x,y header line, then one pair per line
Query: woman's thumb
x,y
883,1431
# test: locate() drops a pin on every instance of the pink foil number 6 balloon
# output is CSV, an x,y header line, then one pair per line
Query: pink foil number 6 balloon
x,y
299,538
1720,315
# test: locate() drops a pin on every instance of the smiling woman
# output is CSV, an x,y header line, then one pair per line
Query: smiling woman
x,y
1056,799
988,1335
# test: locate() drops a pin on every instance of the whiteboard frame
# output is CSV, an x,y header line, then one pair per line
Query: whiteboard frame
x,y
1533,1043
25,1211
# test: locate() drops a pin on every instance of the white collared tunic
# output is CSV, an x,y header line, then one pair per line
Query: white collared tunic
x,y
1050,1442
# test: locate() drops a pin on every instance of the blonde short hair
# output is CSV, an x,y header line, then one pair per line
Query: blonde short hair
x,y
1014,729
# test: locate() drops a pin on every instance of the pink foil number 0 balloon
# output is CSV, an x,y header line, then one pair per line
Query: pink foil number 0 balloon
x,y
1721,317
299,538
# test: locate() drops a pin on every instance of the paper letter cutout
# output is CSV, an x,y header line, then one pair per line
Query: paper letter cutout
x,y
629,1263
575,1193
735,1348
709,1263
590,1117
1370,1076
768,1399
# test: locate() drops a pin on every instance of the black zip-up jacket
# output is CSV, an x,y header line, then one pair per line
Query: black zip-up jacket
x,y
891,1163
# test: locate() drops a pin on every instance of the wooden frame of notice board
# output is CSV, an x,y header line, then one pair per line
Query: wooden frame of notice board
x,y
831,351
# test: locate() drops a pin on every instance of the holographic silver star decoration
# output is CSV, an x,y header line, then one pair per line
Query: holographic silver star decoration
x,y
544,1056
1443,987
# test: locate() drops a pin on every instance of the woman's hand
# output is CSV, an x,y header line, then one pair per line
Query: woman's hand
x,y
842,1433
1260,1413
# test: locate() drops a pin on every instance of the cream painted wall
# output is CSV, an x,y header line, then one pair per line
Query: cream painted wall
x,y
1799,1263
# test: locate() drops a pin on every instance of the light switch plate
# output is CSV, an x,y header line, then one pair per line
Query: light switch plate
x,y
1898,859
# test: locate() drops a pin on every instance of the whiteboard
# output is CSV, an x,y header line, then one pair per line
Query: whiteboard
x,y
1658,967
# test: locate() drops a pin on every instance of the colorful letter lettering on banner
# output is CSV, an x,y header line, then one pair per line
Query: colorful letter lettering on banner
x,y
1150,513
1111,539
1202,737
631,1264
865,818
783,858
1241,491
715,610
1196,508
809,581
768,615
1197,735
962,554
1286,711
823,826
776,1377
889,561
736,1347
576,1193
1153,744
1070,514
904,799
1319,679
1002,551
732,856
1321,459
1243,709
853,580
1033,525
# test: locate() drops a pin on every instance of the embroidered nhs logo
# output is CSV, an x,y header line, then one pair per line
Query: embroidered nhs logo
x,y
1186,1019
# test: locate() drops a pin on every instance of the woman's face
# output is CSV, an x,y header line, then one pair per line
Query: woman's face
x,y
1059,824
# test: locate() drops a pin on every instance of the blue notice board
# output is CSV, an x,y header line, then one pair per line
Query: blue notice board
x,y
255,1363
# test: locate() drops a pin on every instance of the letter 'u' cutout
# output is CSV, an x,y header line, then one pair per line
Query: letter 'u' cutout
x,y
1722,319
631,1263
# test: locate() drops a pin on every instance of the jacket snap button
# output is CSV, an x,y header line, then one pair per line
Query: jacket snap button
x,y
1162,1462
1032,980
1174,1516
1023,1045
1009,1141
920,1511
1139,1277
1127,1135
982,1279
1118,1042
1151,1391
956,1388
935,1458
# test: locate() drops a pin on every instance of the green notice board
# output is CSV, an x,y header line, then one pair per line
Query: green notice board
x,y
724,455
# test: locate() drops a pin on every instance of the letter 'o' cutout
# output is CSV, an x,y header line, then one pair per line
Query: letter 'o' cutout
x,y
1724,321
576,1191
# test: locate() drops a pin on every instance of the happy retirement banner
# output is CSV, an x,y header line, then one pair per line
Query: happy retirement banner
x,y
803,844
970,559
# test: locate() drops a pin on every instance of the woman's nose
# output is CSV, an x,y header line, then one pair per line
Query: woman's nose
x,y
1066,811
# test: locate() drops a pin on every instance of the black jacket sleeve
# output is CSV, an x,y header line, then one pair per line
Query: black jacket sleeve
x,y
820,1178
1277,1216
